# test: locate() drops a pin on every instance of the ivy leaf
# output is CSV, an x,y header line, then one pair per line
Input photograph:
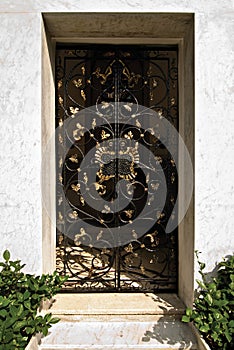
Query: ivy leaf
x,y
6,255
204,328
228,336
185,318
189,312
54,320
209,299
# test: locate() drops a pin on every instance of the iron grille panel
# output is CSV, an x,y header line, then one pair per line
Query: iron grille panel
x,y
100,75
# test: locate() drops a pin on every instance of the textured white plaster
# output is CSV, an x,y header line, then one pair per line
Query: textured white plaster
x,y
214,135
20,140
115,6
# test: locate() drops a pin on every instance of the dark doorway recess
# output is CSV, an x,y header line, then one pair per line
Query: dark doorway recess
x,y
108,76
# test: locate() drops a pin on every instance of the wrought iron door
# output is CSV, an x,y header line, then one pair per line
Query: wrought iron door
x,y
121,78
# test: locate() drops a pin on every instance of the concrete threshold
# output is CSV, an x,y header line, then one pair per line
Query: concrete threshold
x,y
117,304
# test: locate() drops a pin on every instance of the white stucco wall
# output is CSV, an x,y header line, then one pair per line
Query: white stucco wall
x,y
20,131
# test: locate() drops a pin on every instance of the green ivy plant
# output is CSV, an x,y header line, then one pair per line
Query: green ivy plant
x,y
213,310
21,296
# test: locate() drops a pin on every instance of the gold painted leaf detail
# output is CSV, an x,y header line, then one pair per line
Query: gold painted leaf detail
x,y
173,101
155,83
110,94
157,241
126,54
149,72
77,82
75,187
109,54
151,130
104,250
128,107
172,178
106,209
82,201
94,123
85,178
83,70
129,213
160,215
128,261
60,239
74,110
79,126
60,218
134,234
129,135
79,132
73,158
138,124
160,112
78,236
130,188
60,138
158,159
76,135
151,198
70,52
103,76
60,122
60,99
151,237
60,83
104,135
60,162
82,93
73,215
155,186
172,200
100,188
129,248
99,235
105,105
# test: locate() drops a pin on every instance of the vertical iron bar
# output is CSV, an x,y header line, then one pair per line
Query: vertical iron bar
x,y
116,128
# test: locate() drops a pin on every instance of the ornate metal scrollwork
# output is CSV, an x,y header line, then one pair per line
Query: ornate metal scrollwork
x,y
126,159
101,76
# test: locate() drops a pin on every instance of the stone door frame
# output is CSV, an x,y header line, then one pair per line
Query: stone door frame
x,y
123,28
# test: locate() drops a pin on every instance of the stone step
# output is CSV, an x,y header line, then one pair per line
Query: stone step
x,y
117,304
112,321
95,335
